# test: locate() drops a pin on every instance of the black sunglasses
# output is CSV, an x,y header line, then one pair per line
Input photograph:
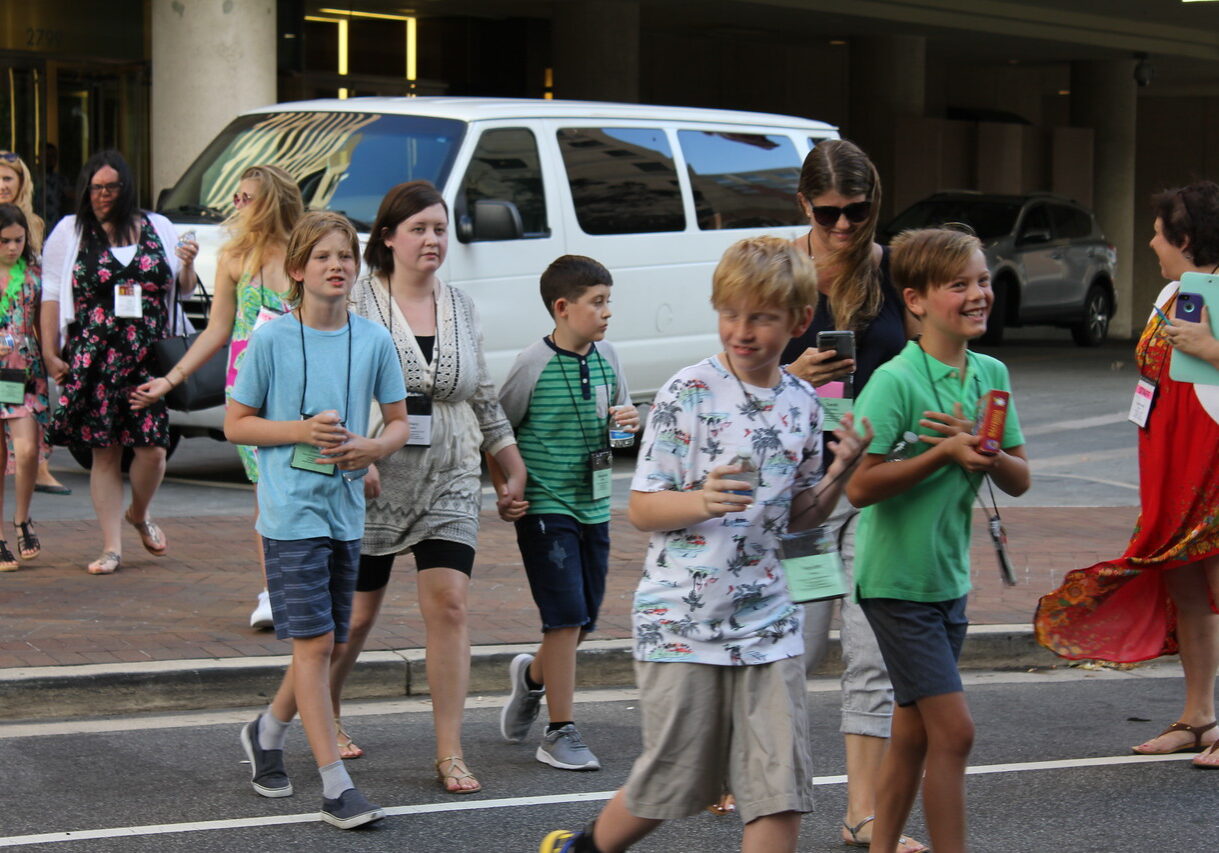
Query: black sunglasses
x,y
826,215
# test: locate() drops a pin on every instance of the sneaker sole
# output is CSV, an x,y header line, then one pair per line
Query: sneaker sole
x,y
515,680
546,758
271,793
355,820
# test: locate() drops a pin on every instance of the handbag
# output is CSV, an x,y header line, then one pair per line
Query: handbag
x,y
204,388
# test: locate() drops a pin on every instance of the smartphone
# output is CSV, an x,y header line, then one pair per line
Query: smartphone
x,y
1189,306
843,343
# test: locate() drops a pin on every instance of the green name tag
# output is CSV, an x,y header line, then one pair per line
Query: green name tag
x,y
12,391
814,577
835,408
601,464
306,457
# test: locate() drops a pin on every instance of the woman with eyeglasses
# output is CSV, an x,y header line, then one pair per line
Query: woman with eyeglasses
x,y
249,290
17,187
111,276
839,192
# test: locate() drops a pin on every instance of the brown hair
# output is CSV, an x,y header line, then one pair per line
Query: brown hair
x,y
569,276
765,271
307,233
399,204
838,165
267,220
924,258
1189,220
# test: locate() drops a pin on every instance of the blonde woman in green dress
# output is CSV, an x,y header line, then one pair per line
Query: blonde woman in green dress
x,y
249,290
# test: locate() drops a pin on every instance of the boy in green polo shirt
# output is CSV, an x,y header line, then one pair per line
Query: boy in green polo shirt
x,y
912,557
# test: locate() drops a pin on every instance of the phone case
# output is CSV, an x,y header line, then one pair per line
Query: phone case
x,y
843,343
1187,368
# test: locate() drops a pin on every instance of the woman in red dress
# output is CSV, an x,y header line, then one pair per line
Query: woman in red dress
x,y
1159,597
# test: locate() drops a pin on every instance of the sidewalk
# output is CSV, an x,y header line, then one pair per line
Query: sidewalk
x,y
194,605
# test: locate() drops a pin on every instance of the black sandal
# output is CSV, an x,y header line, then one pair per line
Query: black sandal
x,y
8,563
28,545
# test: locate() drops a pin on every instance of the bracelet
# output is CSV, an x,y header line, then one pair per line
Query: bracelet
x,y
169,376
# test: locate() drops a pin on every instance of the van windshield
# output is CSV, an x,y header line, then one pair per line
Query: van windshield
x,y
343,161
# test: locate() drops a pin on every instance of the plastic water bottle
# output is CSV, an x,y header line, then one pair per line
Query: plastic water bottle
x,y
904,449
748,473
619,437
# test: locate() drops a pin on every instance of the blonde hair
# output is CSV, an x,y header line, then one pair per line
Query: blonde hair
x,y
924,258
309,230
25,198
764,271
267,220
838,165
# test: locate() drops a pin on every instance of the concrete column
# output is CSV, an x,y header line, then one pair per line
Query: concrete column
x,y
1103,98
211,59
595,44
888,82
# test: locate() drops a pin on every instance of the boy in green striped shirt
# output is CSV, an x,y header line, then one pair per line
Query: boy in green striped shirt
x,y
561,396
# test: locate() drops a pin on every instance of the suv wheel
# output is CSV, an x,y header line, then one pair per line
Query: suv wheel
x,y
1092,330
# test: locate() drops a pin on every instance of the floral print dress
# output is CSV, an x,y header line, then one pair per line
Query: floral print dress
x,y
107,355
20,319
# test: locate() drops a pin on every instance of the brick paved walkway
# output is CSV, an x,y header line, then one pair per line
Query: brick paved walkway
x,y
195,603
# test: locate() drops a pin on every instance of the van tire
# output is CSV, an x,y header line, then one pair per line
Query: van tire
x,y
1092,330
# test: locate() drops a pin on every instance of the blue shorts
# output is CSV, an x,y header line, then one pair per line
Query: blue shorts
x,y
566,563
311,584
921,644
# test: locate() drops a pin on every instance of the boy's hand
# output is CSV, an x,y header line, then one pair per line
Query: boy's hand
x,y
511,503
372,483
324,430
817,367
626,417
850,444
963,448
354,452
945,424
718,501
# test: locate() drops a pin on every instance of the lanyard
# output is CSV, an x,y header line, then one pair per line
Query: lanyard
x,y
305,360
571,392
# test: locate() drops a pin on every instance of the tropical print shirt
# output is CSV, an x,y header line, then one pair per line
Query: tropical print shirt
x,y
714,593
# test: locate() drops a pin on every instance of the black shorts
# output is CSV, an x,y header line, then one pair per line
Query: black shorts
x,y
429,554
920,642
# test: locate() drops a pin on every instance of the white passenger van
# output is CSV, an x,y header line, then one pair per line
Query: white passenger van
x,y
654,193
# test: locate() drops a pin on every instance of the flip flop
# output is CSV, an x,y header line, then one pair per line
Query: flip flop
x,y
151,535
49,489
107,564
905,844
1196,746
1214,750
454,775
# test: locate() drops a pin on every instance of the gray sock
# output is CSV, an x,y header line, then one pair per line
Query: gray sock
x,y
271,732
335,780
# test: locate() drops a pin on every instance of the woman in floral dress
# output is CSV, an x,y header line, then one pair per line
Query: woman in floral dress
x,y
1159,597
111,276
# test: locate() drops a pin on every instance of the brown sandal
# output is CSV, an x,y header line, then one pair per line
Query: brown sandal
x,y
152,537
454,775
347,747
1214,750
1196,746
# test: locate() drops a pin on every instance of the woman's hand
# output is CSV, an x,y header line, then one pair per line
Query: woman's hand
x,y
819,367
1193,338
187,251
148,393
57,368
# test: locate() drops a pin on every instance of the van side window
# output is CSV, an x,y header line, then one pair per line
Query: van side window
x,y
622,179
742,180
506,167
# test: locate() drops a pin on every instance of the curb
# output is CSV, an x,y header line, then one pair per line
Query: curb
x,y
32,693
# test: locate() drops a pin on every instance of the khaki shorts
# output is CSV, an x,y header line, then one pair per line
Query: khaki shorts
x,y
710,729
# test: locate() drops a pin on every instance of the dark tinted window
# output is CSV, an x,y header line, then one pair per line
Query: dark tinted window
x,y
342,161
622,180
742,180
505,167
1036,219
988,219
1070,222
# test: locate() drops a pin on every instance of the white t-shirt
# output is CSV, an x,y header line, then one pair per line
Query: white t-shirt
x,y
714,593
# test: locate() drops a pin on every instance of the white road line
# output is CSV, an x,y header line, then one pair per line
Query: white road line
x,y
512,802
1078,423
1082,459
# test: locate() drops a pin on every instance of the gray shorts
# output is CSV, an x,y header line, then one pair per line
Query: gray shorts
x,y
710,729
311,583
921,642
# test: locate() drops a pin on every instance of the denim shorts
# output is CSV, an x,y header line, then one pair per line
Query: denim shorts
x,y
920,642
311,583
566,563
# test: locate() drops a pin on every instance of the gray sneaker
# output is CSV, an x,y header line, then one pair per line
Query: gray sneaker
x,y
350,810
565,749
517,716
267,773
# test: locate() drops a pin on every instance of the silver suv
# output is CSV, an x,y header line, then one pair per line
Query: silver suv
x,y
1049,262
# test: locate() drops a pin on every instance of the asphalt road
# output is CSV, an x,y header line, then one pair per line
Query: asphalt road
x,y
1051,772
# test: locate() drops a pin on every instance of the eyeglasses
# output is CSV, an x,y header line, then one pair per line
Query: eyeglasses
x,y
826,215
106,189
242,199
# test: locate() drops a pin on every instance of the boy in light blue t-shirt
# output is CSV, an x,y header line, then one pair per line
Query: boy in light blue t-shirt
x,y
303,397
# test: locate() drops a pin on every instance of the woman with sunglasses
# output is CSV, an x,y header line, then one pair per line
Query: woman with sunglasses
x,y
111,276
839,192
249,290
17,187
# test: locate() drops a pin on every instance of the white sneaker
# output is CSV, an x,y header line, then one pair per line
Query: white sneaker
x,y
261,617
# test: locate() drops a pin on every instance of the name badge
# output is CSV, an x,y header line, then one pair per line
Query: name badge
x,y
419,417
12,386
601,465
835,409
1144,397
812,565
128,301
306,457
